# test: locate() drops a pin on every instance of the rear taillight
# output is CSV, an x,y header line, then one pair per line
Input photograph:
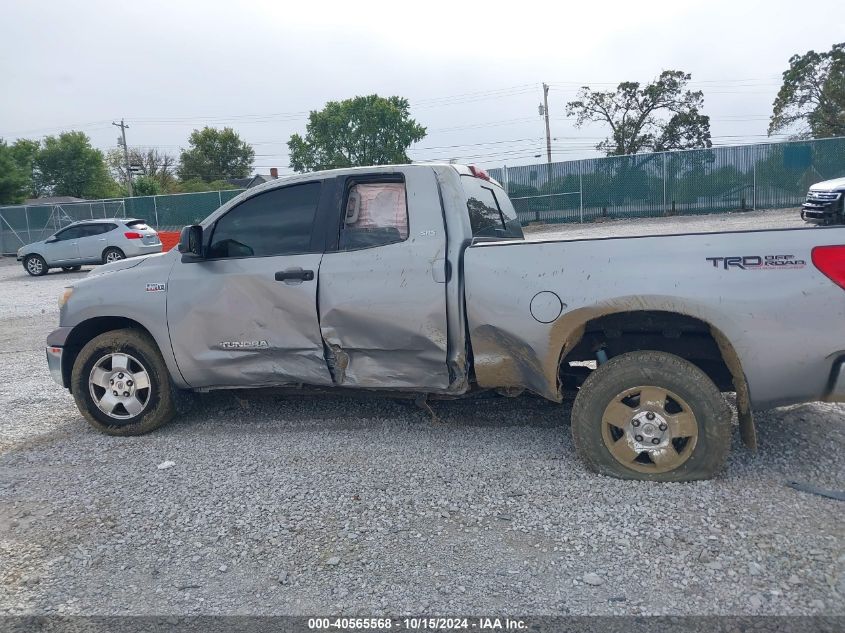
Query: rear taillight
x,y
478,173
132,235
831,261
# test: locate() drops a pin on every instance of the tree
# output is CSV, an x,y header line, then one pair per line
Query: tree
x,y
146,186
659,116
196,185
67,165
362,131
812,97
215,155
151,163
25,152
13,180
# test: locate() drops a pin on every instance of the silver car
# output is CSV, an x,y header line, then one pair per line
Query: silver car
x,y
90,242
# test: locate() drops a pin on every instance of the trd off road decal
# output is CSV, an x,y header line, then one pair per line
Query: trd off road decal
x,y
757,262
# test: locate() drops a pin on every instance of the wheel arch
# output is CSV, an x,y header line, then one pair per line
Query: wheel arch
x,y
618,330
111,247
85,331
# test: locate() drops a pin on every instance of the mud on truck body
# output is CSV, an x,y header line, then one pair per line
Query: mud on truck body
x,y
417,279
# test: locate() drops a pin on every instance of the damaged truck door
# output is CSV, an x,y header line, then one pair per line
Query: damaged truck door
x,y
246,312
382,292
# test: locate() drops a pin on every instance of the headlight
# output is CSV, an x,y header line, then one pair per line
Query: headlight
x,y
65,296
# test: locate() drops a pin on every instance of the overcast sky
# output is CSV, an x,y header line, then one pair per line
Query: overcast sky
x,y
471,70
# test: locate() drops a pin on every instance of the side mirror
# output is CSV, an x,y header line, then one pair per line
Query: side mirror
x,y
190,243
51,239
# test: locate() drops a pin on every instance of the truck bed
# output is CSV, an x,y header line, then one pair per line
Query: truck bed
x,y
756,288
738,221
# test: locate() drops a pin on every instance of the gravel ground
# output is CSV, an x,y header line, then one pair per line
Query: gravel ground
x,y
289,505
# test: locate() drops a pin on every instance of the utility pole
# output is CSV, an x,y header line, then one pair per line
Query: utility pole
x,y
123,127
546,113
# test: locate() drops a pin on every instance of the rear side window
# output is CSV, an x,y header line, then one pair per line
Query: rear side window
x,y
98,229
138,225
276,222
491,213
375,214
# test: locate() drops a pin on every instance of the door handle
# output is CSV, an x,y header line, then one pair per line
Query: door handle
x,y
295,274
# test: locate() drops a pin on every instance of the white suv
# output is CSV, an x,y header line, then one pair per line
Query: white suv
x,y
90,242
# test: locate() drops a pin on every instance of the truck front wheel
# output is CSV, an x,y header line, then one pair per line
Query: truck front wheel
x,y
651,416
121,385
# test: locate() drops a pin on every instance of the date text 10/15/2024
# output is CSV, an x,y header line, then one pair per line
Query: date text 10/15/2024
x,y
417,624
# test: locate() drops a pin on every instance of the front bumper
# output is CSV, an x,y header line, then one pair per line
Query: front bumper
x,y
825,210
55,349
54,363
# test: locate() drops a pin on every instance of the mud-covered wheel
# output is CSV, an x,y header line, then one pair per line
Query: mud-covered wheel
x,y
35,265
121,385
651,416
113,254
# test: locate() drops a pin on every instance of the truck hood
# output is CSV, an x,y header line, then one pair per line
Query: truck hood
x,y
123,264
837,184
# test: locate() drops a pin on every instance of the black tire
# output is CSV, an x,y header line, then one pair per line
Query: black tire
x,y
704,455
35,265
113,254
71,269
160,405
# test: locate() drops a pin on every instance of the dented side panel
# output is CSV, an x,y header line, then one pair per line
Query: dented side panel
x,y
233,324
383,309
784,323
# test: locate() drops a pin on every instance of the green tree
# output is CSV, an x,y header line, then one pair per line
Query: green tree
x,y
14,182
67,165
146,186
362,131
811,100
658,116
214,155
196,185
25,152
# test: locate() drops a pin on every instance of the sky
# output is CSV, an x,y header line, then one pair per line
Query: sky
x,y
472,71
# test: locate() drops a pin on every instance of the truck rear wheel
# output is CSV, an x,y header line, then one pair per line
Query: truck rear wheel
x,y
651,416
121,385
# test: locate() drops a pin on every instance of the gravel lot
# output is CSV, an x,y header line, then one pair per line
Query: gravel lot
x,y
311,506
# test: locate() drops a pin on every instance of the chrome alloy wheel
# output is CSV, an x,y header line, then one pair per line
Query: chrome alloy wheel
x,y
649,429
120,386
113,256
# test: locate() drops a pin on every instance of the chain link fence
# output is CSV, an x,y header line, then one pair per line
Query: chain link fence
x,y
24,224
715,180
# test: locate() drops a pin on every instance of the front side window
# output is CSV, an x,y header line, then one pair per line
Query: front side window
x,y
491,213
72,233
276,222
375,214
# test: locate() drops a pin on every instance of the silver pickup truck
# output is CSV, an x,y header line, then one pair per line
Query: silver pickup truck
x,y
417,279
